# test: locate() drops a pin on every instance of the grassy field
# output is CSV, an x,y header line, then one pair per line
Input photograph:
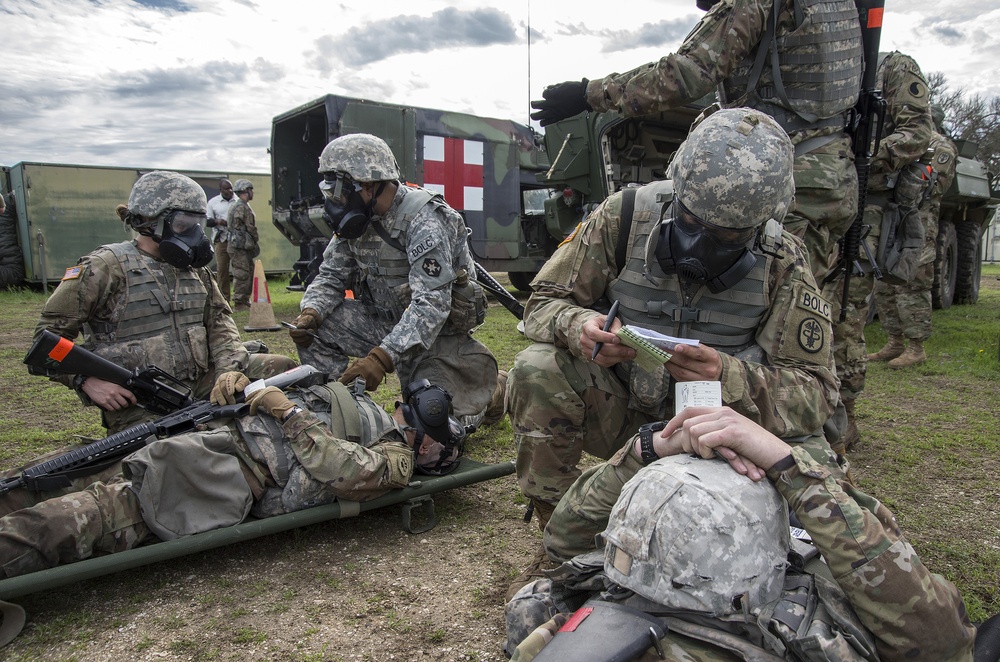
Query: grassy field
x,y
929,451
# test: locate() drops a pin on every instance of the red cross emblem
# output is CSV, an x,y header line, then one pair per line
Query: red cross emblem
x,y
453,167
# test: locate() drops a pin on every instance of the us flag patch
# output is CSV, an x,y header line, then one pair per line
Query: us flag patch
x,y
72,273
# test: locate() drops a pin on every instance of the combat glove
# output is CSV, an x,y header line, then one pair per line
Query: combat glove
x,y
373,368
306,323
560,101
270,400
227,386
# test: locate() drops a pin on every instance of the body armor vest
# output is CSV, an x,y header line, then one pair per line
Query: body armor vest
x,y
161,321
806,78
727,321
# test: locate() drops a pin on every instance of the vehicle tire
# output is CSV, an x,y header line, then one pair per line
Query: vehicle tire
x,y
11,261
945,266
521,280
970,265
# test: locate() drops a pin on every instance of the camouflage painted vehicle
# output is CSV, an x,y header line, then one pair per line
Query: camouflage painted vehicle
x,y
57,213
967,208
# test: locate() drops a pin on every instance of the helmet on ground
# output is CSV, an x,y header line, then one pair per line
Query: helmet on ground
x,y
241,185
366,158
427,407
693,534
735,169
159,191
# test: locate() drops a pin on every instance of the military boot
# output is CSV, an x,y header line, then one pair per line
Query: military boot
x,y
913,355
851,434
535,570
893,348
496,409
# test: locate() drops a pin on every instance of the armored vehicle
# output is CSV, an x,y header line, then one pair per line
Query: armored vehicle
x,y
58,212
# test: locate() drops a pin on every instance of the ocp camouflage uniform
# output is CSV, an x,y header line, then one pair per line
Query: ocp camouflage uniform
x,y
137,311
772,330
905,136
338,452
905,310
242,225
420,304
819,47
914,614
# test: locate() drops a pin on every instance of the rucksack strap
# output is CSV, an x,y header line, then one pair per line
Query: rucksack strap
x,y
625,226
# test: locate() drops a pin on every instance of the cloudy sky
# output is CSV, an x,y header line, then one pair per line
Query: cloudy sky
x,y
194,84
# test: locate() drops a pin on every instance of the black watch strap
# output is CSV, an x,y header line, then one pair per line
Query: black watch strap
x,y
647,453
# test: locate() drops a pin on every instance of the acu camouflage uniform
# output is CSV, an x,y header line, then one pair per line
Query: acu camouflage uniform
x,y
137,311
243,248
419,304
905,310
773,332
905,137
349,448
912,613
818,45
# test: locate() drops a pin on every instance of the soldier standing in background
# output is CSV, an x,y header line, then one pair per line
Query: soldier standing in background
x,y
152,301
243,243
905,136
735,46
218,213
905,310
405,254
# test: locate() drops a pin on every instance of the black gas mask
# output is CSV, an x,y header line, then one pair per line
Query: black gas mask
x,y
702,253
344,210
427,408
184,243
705,5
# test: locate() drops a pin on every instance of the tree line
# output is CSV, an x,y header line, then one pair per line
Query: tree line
x,y
972,117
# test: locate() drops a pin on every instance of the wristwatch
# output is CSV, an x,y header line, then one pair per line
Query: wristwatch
x,y
647,453
291,412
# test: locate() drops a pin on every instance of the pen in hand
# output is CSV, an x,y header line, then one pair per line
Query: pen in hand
x,y
607,327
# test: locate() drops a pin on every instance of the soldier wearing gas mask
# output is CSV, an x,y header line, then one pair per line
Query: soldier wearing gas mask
x,y
404,253
152,301
703,256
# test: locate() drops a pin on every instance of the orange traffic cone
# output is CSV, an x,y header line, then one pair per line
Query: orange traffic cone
x,y
261,312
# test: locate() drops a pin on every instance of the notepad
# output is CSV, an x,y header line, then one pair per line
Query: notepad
x,y
647,355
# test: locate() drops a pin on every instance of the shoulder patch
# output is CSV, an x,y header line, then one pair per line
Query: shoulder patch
x,y
72,273
813,302
571,235
421,248
943,157
917,90
431,267
812,336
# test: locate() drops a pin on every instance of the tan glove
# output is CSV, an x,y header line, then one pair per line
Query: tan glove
x,y
306,323
270,400
227,386
373,368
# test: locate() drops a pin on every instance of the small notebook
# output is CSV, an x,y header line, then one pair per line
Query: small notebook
x,y
647,355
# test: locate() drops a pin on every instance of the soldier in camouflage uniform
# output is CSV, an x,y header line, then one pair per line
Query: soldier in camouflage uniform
x,y
243,243
818,46
682,541
705,260
304,448
152,301
906,135
405,254
905,310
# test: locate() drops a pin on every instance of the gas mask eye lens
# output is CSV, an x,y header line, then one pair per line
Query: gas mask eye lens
x,y
182,221
724,237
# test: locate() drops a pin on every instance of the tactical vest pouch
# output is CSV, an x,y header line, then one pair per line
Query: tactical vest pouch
x,y
901,244
468,305
603,632
912,184
813,620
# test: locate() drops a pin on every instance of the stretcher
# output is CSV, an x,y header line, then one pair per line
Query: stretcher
x,y
416,512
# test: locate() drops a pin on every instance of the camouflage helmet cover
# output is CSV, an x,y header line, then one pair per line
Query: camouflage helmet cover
x,y
366,158
160,190
241,185
735,169
937,114
693,534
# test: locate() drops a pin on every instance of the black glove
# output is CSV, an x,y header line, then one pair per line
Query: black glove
x,y
561,101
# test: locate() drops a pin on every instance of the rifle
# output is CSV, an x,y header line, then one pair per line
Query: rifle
x,y
865,127
506,299
155,389
59,472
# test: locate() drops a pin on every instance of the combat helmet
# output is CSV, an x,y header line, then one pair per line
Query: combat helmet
x,y
937,115
692,534
159,191
241,185
735,169
366,158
